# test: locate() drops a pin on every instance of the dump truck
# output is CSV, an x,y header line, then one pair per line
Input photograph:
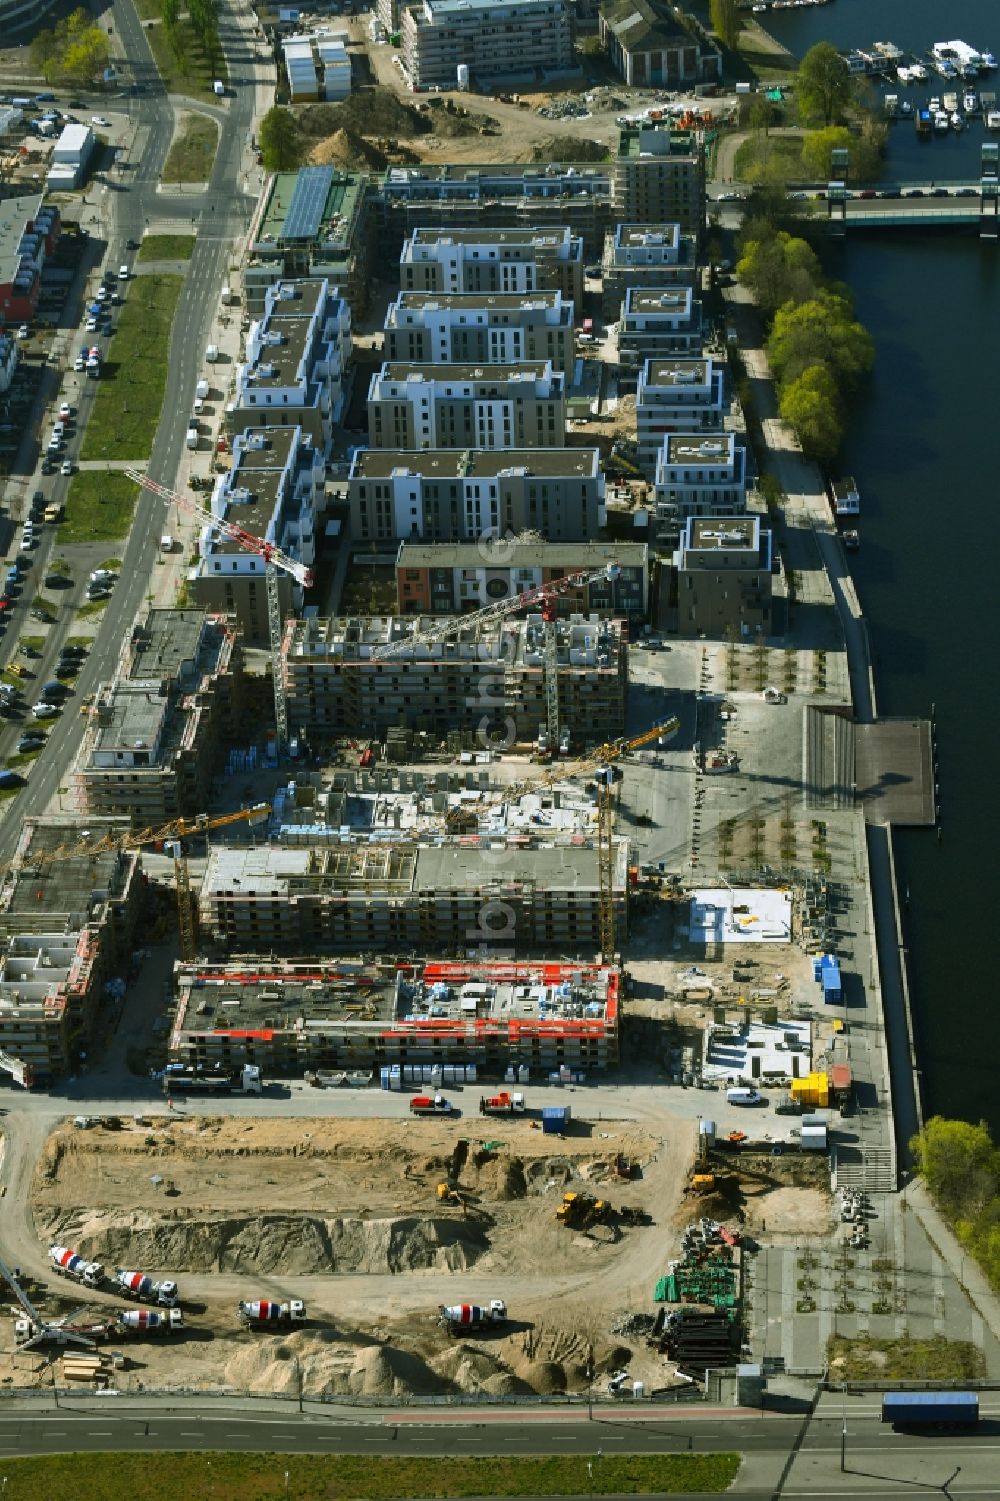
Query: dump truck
x,y
68,1264
931,1409
144,1290
183,1078
426,1104
151,1321
502,1104
467,1318
263,1314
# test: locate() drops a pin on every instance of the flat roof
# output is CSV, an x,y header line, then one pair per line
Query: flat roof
x,y
130,716
666,233
426,370
469,300
568,555
235,997
281,360
584,643
70,884
556,237
260,471
167,642
725,914
659,300
715,448
343,195
679,372
719,533
653,140
472,463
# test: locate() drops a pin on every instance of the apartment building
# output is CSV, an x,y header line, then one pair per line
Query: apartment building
x,y
290,1016
67,925
9,356
699,476
317,222
390,898
447,42
488,677
297,355
473,329
724,577
493,260
652,49
676,396
477,495
155,735
659,177
29,232
274,489
443,578
556,196
654,256
467,406
654,325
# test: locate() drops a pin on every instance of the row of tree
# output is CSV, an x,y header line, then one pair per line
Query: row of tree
x,y
74,52
819,353
961,1168
203,16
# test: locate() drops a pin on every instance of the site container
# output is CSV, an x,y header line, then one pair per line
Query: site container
x,y
556,1119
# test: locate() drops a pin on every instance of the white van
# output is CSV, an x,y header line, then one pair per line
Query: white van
x,y
743,1097
192,437
166,543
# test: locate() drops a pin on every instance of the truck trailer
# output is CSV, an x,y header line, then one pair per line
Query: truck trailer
x,y
183,1078
931,1409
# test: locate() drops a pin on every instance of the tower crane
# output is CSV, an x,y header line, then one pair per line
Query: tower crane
x,y
546,597
275,561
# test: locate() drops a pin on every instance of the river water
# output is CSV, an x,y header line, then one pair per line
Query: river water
x,y
922,449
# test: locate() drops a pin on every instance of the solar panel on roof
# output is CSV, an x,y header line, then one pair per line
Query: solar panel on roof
x,y
305,212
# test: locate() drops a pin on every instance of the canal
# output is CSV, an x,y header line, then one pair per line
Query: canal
x,y
921,450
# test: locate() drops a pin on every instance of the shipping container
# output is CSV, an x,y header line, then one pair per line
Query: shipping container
x,y
556,1119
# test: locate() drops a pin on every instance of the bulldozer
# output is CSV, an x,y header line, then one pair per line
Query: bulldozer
x,y
448,1195
703,1183
579,1211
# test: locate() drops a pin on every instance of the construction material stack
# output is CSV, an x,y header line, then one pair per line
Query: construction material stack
x,y
706,1272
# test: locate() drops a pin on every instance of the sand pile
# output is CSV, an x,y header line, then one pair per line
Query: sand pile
x,y
385,1371
262,1244
346,149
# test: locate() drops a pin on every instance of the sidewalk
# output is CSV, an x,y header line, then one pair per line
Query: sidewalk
x,y
918,1201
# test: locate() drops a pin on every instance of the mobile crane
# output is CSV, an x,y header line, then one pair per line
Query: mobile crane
x,y
275,561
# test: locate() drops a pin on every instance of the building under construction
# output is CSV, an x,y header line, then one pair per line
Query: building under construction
x,y
464,896
67,918
287,1018
488,676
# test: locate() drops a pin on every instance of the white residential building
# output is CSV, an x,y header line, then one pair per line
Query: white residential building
x,y
467,406
500,328
657,323
699,475
296,357
492,260
676,396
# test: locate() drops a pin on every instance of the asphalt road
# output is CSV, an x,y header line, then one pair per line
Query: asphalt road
x,y
134,206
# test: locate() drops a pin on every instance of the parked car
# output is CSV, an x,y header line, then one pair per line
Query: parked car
x,y
30,741
45,616
66,467
11,779
45,711
65,410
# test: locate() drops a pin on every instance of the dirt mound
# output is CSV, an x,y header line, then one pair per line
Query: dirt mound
x,y
570,149
346,149
384,1371
547,1377
285,1243
503,1179
369,112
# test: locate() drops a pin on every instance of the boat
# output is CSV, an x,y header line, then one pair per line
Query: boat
x,y
918,73
845,497
949,102
922,120
957,123
935,104
905,108
993,120
970,102
851,540
942,122
904,74
987,62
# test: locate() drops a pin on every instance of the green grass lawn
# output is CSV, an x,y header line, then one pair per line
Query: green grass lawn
x,y
191,156
130,391
99,508
769,158
192,73
314,1477
166,248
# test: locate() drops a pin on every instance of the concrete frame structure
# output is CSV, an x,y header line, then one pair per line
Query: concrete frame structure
x,y
297,355
445,578
493,260
659,177
292,1016
699,476
332,244
476,329
656,324
156,732
389,898
66,926
275,490
488,38
488,678
426,406
476,496
673,396
724,577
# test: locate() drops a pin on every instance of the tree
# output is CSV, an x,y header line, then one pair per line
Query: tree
x,y
818,148
959,1163
823,84
779,269
822,331
810,405
727,23
280,142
